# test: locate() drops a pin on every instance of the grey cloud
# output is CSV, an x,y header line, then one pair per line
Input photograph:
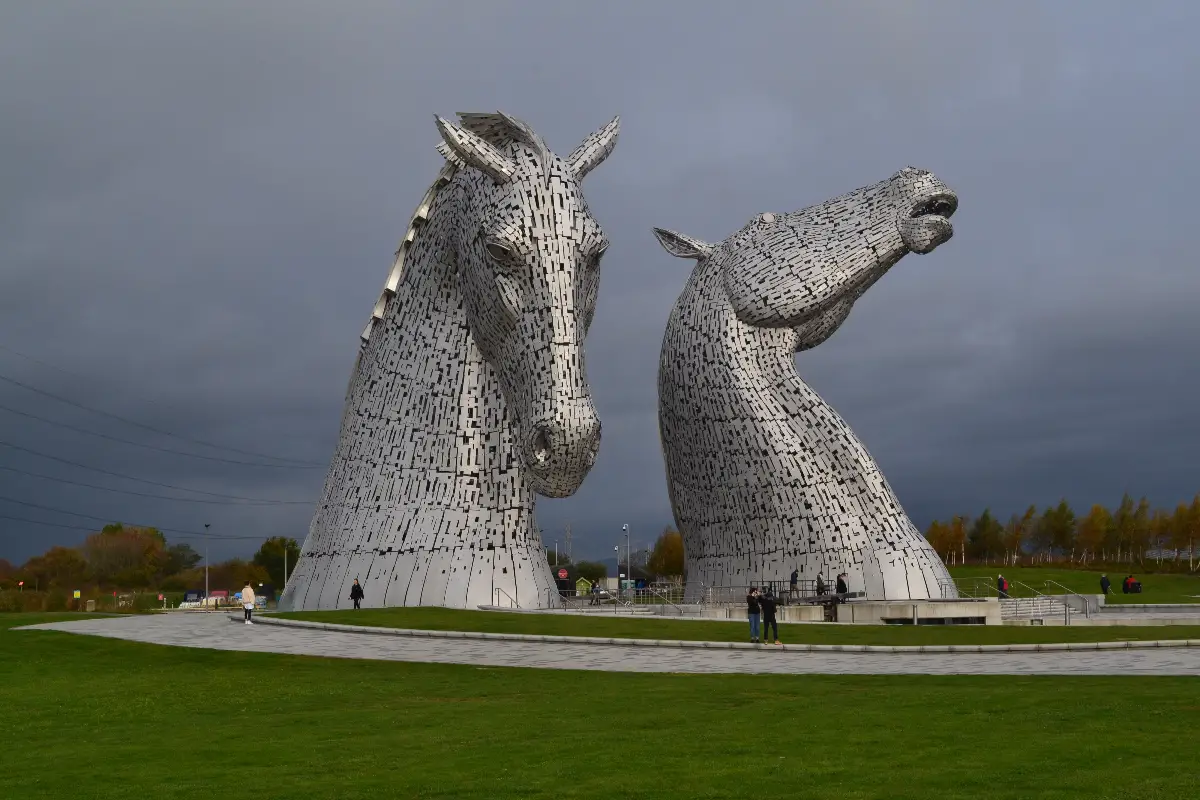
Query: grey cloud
x,y
201,199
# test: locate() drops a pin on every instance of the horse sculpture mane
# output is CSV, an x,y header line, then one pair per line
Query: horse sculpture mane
x,y
468,393
765,478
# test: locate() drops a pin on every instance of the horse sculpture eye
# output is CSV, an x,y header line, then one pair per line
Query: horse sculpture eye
x,y
499,252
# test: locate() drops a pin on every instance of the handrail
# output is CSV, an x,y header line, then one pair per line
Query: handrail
x,y
666,600
497,591
1087,608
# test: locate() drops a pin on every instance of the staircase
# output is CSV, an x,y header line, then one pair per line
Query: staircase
x,y
1039,607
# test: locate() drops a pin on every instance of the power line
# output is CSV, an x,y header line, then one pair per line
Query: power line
x,y
249,504
59,398
92,530
149,446
109,521
131,477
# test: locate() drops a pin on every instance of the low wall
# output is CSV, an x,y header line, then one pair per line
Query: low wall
x,y
782,613
875,612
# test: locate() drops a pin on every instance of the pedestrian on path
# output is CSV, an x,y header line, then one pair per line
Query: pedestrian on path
x,y
356,594
1105,583
248,601
767,604
753,610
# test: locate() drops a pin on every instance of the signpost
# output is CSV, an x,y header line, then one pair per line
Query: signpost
x,y
562,574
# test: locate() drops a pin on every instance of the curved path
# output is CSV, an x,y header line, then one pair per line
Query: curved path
x,y
215,631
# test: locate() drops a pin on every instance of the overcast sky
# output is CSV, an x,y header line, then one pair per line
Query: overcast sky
x,y
199,203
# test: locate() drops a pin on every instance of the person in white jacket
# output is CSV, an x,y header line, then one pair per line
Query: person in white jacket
x,y
248,601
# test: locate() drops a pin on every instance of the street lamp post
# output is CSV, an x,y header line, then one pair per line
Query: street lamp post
x,y
628,554
206,565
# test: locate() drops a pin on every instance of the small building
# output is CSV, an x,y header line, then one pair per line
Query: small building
x,y
583,587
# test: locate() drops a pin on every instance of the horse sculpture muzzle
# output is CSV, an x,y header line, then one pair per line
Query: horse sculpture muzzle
x,y
560,450
924,221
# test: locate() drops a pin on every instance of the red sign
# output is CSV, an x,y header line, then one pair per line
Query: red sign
x,y
160,597
562,574
20,583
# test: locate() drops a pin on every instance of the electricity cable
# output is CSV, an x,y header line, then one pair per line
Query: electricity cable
x,y
248,503
131,477
56,423
151,428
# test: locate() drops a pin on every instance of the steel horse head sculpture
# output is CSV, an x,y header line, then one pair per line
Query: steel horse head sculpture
x,y
470,391
765,478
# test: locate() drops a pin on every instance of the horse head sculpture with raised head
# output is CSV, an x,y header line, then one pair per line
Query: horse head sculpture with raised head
x,y
764,477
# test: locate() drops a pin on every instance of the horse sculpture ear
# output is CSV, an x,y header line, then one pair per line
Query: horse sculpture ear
x,y
682,246
594,149
464,148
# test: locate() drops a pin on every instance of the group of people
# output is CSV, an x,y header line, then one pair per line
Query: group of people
x,y
841,587
760,606
1130,585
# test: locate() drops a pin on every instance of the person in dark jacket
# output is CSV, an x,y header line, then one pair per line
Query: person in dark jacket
x,y
842,586
1105,584
753,610
820,585
1001,586
767,604
794,581
356,594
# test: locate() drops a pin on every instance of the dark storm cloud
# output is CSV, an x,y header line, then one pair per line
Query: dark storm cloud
x,y
200,202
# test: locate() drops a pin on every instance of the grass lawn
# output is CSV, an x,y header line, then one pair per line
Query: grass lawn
x,y
93,718
1155,588
446,619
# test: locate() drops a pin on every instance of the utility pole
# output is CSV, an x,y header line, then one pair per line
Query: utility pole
x,y
284,566
628,555
570,553
206,565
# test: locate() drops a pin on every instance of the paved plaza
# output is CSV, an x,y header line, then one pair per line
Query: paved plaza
x,y
216,632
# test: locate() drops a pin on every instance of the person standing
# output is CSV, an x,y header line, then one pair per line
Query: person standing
x,y
1105,583
820,585
357,594
767,604
843,587
753,609
248,602
794,581
1002,587
595,600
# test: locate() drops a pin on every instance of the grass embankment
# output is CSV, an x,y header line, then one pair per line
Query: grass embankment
x,y
94,718
1161,588
445,619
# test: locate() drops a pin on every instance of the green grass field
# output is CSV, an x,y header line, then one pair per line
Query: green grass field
x,y
1165,588
92,719
445,619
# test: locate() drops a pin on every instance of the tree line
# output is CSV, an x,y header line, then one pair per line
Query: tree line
x,y
121,557
1129,534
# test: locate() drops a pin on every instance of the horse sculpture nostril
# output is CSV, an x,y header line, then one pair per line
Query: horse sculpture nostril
x,y
541,446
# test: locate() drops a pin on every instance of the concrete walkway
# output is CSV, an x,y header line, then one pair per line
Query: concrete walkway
x,y
215,631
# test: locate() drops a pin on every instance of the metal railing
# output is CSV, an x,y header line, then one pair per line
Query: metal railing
x,y
1087,606
497,591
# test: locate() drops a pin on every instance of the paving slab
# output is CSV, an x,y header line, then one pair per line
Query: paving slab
x,y
214,631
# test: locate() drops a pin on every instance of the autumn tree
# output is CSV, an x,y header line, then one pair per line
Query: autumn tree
x,y
986,539
1094,530
270,557
130,558
1140,541
58,567
1017,532
180,557
666,559
1055,531
1122,534
7,570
